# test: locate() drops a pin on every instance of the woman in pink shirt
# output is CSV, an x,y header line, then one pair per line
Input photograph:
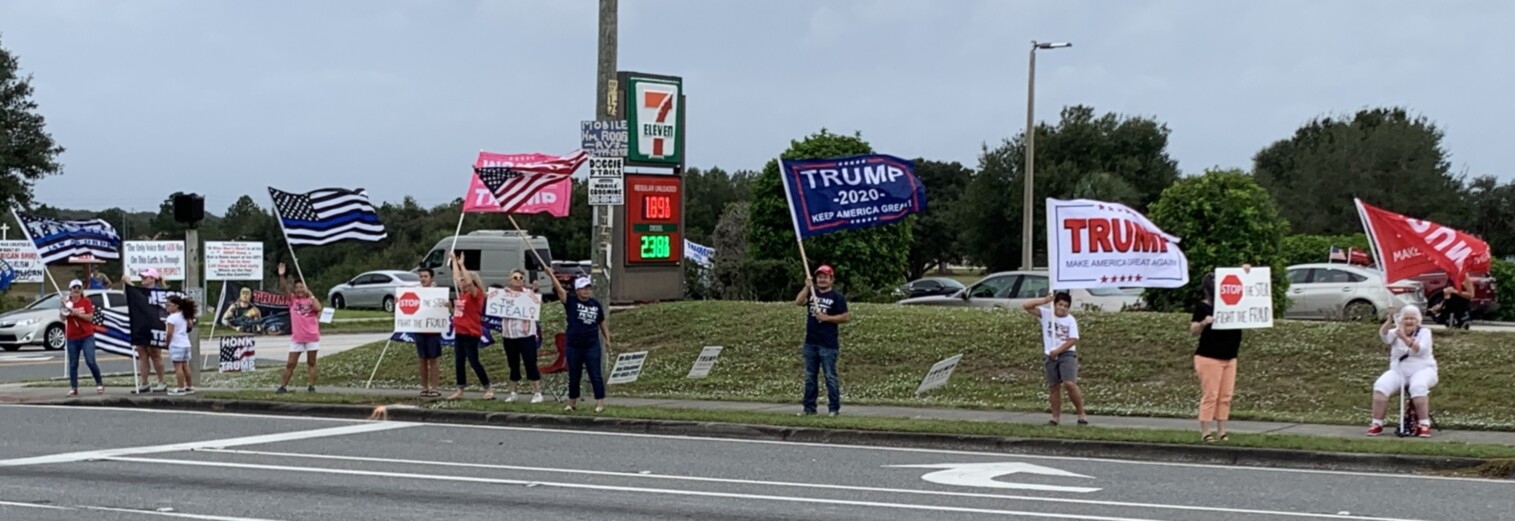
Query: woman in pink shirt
x,y
304,329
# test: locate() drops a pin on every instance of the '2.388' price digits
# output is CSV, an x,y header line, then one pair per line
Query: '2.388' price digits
x,y
656,247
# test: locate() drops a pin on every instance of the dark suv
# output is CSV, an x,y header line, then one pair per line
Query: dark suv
x,y
566,272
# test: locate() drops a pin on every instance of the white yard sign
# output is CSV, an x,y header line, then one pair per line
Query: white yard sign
x,y
519,307
23,258
165,256
1243,300
233,261
705,362
422,310
938,374
628,367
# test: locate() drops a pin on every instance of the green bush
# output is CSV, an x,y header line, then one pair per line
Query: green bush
x,y
867,260
1225,220
1504,275
1308,249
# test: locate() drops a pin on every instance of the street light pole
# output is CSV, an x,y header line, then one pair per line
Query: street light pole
x,y
1030,173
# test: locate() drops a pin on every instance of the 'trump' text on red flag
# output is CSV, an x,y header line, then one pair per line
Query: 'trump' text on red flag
x,y
513,183
1408,247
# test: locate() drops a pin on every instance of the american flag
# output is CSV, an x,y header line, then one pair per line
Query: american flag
x,y
113,332
1337,255
514,183
57,240
326,216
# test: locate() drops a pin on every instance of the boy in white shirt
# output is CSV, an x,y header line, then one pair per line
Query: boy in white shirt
x,y
1059,345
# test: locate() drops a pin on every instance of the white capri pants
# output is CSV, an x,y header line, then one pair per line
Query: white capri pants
x,y
1393,380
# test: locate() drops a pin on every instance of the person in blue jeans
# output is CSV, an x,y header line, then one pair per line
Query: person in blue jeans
x,y
586,323
79,326
827,309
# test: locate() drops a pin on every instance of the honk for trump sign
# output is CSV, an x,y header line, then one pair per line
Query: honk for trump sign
x,y
1094,244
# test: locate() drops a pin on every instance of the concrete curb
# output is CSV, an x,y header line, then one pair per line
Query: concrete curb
x,y
1209,455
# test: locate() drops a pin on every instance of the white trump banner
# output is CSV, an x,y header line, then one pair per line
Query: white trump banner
x,y
1094,244
1243,299
705,362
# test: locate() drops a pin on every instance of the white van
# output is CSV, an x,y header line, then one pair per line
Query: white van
x,y
494,254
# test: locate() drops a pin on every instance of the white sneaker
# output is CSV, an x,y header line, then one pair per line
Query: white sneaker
x,y
160,388
176,392
513,397
536,398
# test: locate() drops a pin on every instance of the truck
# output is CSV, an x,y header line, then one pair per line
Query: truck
x,y
494,254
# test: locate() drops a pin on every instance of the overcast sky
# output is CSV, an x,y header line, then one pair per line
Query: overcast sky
x,y
226,98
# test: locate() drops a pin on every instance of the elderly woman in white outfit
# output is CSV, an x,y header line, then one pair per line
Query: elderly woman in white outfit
x,y
1410,362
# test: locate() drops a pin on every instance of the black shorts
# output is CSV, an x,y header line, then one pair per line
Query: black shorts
x,y
428,346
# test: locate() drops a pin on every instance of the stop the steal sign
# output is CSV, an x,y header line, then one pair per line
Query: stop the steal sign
x,y
421,310
1243,300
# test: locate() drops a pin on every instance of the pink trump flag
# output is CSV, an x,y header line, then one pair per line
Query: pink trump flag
x,y
552,200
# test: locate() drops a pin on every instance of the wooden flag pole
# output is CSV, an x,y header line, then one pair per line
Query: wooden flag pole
x,y
798,238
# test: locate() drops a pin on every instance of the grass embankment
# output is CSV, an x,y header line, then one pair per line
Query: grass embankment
x,y
344,321
1136,364
896,424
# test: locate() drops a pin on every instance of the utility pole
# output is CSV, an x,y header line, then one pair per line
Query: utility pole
x,y
1029,175
606,96
192,280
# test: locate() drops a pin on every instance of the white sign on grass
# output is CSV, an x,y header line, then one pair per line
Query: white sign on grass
x,y
327,314
1243,299
628,366
520,306
165,256
233,260
23,258
938,374
705,362
421,310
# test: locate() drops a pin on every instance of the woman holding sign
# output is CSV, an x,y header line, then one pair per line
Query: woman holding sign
x,y
1215,363
586,323
521,339
468,327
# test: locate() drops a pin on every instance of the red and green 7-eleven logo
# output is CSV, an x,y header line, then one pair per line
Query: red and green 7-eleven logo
x,y
655,121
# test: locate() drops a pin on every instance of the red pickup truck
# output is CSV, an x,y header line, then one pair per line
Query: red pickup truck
x,y
1485,291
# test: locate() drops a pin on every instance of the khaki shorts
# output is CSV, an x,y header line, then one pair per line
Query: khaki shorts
x,y
1063,369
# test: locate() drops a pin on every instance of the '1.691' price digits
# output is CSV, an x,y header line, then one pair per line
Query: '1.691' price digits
x,y
655,247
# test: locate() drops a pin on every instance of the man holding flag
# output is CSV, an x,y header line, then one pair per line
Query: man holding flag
x,y
831,195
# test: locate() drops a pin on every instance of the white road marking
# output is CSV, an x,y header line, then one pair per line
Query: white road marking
x,y
821,486
983,474
32,505
565,432
611,488
71,457
181,515
135,410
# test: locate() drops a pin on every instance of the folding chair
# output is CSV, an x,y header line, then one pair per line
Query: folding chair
x,y
555,375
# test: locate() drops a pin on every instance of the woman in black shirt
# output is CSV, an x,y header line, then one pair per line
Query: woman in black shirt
x,y
1215,363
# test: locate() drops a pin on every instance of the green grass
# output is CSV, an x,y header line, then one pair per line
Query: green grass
x,y
344,321
1137,364
899,424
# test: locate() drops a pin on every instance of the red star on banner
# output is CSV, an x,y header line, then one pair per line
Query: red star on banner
x,y
1138,278
1104,279
1101,207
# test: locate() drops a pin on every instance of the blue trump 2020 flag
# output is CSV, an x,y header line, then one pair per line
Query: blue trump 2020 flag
x,y
849,193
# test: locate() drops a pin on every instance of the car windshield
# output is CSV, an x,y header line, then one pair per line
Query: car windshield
x,y
407,277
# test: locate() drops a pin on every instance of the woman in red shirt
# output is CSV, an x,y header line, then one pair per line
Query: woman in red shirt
x,y
79,323
468,327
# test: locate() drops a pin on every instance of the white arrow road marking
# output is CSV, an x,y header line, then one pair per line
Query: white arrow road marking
x,y
983,474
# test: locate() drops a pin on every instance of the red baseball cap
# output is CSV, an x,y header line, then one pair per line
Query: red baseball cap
x,y
825,268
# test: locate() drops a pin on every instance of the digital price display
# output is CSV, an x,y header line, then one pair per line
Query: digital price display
x,y
654,215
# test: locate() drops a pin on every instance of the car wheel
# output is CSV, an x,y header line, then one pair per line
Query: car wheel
x,y
389,304
1361,311
53,339
338,302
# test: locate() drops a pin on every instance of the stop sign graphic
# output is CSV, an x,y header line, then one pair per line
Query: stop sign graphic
x,y
409,303
1230,290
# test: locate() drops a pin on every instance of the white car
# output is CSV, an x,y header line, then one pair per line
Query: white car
x,y
1011,289
1347,292
374,289
40,324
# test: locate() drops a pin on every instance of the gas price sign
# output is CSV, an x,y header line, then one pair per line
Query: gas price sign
x,y
654,214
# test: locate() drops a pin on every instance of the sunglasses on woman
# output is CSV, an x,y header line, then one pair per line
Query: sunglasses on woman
x,y
517,277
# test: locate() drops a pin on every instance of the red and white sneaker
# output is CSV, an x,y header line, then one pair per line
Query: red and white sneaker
x,y
1423,431
1374,430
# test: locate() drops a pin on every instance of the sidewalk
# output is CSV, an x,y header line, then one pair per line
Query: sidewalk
x,y
18,393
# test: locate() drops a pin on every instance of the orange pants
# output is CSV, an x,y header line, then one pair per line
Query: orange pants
x,y
1218,380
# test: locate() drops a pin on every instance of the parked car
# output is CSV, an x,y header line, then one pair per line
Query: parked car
x,y
374,289
929,286
39,323
1346,292
1485,292
1011,289
567,271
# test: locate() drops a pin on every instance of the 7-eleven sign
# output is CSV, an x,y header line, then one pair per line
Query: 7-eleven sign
x,y
654,120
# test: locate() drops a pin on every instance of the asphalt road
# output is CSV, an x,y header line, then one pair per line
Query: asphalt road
x,y
63,463
33,363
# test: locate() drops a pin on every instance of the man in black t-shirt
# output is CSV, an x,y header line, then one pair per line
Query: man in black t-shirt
x,y
827,309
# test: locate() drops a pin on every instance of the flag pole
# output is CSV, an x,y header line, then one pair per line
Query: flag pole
x,y
47,273
215,317
798,238
377,364
527,239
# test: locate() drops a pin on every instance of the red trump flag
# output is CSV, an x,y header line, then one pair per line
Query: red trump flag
x,y
1408,247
